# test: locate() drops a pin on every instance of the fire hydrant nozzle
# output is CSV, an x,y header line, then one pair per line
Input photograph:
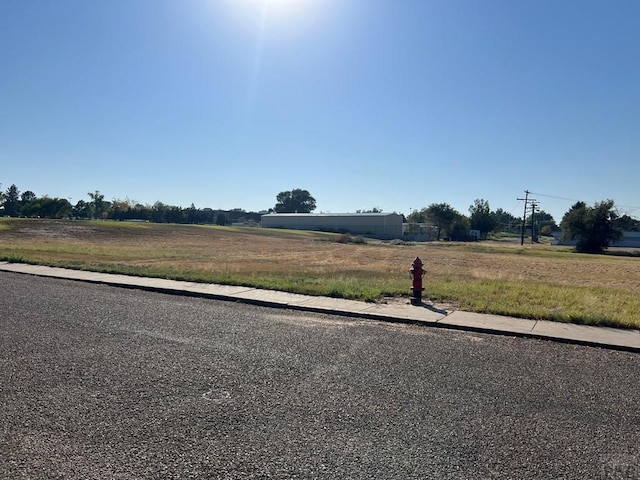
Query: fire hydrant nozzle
x,y
417,273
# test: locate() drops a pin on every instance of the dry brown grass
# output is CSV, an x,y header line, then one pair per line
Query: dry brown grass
x,y
256,255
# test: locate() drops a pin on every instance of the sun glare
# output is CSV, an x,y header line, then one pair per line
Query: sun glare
x,y
280,11
283,3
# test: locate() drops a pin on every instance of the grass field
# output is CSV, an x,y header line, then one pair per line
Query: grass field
x,y
533,281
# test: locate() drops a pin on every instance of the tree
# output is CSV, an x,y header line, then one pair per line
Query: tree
x,y
159,212
416,216
46,207
12,201
544,222
295,201
122,209
459,230
413,220
174,214
99,205
481,218
506,222
27,197
82,210
191,214
593,227
442,215
628,224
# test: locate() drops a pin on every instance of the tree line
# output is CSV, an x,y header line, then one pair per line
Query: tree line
x,y
14,203
593,228
450,223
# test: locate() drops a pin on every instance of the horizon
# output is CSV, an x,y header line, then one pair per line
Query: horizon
x,y
265,211
621,209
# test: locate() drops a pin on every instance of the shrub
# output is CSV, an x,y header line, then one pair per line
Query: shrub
x,y
347,238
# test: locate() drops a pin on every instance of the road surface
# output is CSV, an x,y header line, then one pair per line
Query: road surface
x,y
102,382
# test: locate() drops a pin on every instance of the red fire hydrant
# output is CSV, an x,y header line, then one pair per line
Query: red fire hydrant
x,y
416,274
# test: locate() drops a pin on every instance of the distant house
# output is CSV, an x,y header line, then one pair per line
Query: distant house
x,y
628,240
377,225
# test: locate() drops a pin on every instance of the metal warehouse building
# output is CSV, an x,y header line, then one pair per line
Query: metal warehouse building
x,y
379,225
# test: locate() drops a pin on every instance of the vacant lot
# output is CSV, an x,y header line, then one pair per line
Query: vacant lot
x,y
534,281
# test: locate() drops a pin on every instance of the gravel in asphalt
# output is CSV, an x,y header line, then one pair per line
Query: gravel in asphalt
x,y
103,382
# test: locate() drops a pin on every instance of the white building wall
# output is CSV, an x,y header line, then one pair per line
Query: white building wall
x,y
387,225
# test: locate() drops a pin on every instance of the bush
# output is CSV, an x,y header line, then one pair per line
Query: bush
x,y
347,238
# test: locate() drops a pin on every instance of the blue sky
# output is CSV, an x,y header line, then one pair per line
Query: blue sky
x,y
365,103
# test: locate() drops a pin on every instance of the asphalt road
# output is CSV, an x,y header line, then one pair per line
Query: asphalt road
x,y
108,383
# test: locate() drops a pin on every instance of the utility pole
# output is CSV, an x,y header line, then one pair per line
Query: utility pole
x,y
534,207
524,215
526,200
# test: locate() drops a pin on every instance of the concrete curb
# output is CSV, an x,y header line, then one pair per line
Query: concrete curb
x,y
602,337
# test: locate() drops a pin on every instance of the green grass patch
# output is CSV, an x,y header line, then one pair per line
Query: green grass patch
x,y
583,305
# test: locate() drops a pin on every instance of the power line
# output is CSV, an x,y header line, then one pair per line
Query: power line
x,y
631,207
556,197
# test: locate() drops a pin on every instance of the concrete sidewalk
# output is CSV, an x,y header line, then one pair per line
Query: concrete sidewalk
x,y
618,339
